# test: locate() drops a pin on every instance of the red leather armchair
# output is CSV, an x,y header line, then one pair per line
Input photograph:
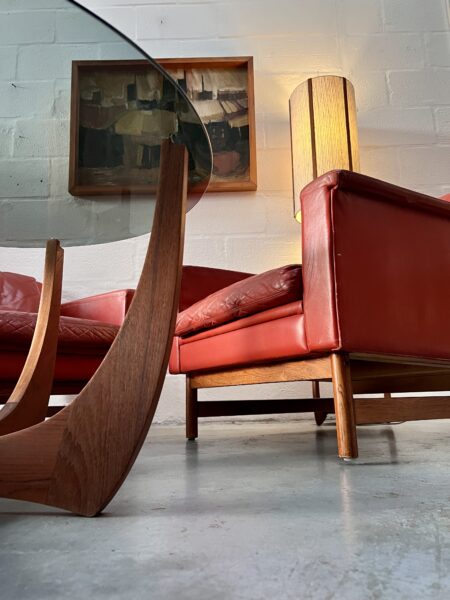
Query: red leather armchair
x,y
369,313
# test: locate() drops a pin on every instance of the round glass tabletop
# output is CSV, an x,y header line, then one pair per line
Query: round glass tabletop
x,y
83,113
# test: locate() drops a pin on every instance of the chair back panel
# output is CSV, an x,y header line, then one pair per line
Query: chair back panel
x,y
19,292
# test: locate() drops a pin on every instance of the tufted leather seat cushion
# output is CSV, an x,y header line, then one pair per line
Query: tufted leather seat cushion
x,y
76,336
242,299
19,292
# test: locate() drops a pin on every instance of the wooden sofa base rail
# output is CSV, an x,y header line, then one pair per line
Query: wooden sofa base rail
x,y
349,374
367,410
225,408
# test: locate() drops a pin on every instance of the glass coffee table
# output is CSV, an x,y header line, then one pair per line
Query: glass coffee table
x,y
103,145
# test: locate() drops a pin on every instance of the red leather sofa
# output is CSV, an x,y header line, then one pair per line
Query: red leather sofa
x,y
367,310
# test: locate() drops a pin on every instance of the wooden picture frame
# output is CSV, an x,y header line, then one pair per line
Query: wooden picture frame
x,y
228,113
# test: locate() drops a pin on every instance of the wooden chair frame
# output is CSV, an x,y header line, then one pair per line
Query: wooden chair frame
x,y
350,374
27,404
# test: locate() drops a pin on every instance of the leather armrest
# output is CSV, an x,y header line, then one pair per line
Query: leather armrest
x,y
376,259
199,282
106,308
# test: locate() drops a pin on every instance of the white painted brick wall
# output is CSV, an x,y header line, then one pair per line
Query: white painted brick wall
x,y
30,98
437,46
35,62
415,15
25,27
442,116
428,87
175,21
396,53
23,178
43,138
360,16
375,52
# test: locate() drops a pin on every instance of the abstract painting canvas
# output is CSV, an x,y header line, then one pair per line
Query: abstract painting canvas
x,y
121,111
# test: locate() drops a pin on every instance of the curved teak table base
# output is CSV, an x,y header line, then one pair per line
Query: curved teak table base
x,y
78,459
28,402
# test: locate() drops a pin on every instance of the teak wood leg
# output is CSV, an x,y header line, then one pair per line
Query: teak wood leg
x,y
28,402
344,407
78,459
191,410
319,415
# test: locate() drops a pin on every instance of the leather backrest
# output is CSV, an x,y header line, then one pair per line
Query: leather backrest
x,y
199,282
19,292
375,259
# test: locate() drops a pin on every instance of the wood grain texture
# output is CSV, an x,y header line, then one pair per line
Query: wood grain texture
x,y
373,375
302,370
330,124
324,133
344,407
28,402
362,370
386,410
352,126
367,410
78,459
304,168
407,383
402,360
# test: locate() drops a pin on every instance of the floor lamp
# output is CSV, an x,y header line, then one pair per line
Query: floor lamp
x,y
324,134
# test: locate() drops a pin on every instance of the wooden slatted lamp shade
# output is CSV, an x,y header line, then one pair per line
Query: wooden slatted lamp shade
x,y
324,133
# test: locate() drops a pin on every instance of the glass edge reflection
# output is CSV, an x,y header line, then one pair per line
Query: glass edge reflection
x,y
193,195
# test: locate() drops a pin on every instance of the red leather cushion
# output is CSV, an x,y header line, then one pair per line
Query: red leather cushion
x,y
266,342
247,297
272,335
76,336
19,292
446,197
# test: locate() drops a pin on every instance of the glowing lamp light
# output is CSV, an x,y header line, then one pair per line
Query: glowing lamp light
x,y
324,133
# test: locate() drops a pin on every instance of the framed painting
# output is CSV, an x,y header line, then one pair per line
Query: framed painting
x,y
117,106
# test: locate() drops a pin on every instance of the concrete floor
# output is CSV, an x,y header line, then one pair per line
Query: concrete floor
x,y
251,511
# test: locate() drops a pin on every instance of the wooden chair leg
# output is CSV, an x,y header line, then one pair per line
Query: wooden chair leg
x,y
28,402
78,459
319,415
191,410
344,407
